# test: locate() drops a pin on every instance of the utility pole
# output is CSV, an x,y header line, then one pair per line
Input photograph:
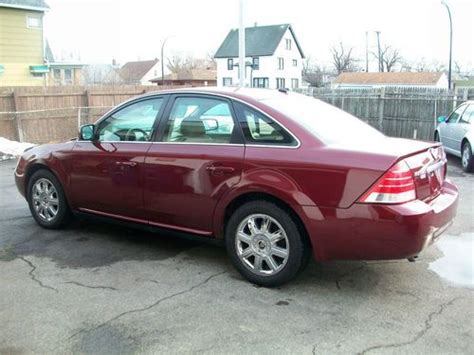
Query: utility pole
x,y
450,42
163,61
380,52
366,51
241,45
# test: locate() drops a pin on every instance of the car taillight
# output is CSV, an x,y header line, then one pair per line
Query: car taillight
x,y
397,185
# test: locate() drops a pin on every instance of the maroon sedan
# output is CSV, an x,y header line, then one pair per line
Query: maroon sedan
x,y
277,175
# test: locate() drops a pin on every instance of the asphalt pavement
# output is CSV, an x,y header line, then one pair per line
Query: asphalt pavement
x,y
98,288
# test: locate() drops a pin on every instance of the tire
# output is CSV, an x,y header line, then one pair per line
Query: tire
x,y
265,246
47,201
467,160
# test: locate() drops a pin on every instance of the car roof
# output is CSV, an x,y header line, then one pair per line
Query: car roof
x,y
258,94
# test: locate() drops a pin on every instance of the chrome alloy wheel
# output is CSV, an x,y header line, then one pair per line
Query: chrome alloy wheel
x,y
262,244
45,199
466,155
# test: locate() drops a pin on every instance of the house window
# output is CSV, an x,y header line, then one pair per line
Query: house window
x,y
34,22
38,75
230,64
226,81
295,62
255,63
260,82
280,83
68,76
288,44
281,63
294,83
57,74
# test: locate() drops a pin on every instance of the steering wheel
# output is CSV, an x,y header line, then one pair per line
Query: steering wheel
x,y
133,131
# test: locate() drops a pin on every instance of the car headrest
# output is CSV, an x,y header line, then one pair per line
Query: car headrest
x,y
193,128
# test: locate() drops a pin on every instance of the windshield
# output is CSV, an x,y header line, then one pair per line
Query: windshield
x,y
327,123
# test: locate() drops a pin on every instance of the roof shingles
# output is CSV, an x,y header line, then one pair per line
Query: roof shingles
x,y
135,71
259,41
33,4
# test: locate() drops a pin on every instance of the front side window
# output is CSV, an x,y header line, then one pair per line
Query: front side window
x,y
288,44
230,64
295,62
200,120
132,123
454,117
260,129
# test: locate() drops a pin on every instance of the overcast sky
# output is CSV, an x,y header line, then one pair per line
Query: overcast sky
x,y
100,30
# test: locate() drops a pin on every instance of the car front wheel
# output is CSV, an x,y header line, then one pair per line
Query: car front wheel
x,y
47,201
467,160
264,244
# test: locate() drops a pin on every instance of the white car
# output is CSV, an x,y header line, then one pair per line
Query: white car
x,y
456,133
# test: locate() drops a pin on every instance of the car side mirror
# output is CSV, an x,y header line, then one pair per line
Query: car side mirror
x,y
86,132
442,119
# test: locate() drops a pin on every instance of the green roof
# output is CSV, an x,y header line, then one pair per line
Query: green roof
x,y
38,5
259,41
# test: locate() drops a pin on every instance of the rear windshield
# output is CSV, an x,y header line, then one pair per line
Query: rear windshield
x,y
327,123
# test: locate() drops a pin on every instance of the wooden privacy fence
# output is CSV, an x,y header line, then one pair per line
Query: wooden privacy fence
x,y
396,111
50,114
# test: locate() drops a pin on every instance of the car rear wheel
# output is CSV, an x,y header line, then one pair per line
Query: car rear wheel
x,y
264,244
47,201
467,160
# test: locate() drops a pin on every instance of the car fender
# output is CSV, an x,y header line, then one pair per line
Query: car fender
x,y
51,157
270,182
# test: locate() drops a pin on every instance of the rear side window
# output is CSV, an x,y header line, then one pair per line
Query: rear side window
x,y
200,120
260,129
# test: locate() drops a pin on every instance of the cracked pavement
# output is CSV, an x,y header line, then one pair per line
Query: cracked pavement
x,y
97,288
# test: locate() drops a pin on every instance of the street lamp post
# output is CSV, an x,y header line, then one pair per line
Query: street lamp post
x,y
163,62
450,42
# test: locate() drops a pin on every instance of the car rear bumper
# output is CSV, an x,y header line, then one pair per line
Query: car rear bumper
x,y
20,182
371,231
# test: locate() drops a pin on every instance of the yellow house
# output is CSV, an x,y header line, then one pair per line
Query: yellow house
x,y
22,42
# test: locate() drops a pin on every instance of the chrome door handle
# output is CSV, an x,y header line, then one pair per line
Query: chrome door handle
x,y
220,170
131,164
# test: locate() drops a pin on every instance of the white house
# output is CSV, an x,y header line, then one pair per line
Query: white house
x,y
274,58
374,80
141,72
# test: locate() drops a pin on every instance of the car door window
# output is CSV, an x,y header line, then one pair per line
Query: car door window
x,y
260,129
454,117
132,123
468,115
200,120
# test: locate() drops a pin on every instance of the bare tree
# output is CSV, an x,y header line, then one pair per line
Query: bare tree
x,y
343,59
389,57
179,63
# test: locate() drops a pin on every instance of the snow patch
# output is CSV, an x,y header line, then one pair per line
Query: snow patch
x,y
10,149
